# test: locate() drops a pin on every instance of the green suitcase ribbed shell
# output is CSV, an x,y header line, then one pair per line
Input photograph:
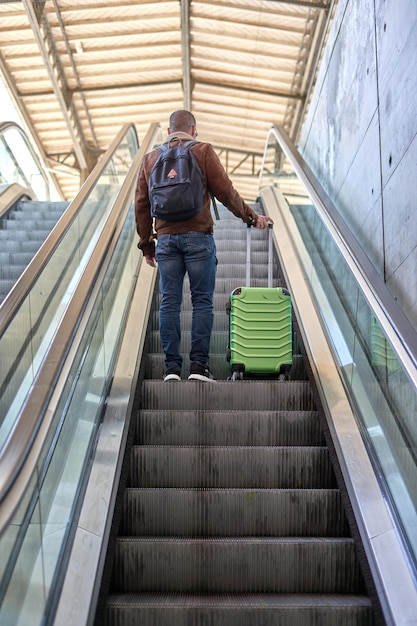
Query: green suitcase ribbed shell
x,y
260,329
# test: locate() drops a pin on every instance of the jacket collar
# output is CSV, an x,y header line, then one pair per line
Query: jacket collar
x,y
180,135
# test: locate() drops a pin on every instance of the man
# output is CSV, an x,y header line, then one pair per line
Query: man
x,y
187,246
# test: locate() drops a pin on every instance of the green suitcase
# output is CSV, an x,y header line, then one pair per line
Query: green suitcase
x,y
260,327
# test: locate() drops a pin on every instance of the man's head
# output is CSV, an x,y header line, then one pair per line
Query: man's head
x,y
184,121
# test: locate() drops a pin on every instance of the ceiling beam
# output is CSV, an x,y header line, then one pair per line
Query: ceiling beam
x,y
312,4
185,51
258,90
120,88
75,72
104,88
245,156
50,56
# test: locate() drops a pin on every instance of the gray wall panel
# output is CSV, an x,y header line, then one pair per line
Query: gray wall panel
x,y
360,135
400,215
360,198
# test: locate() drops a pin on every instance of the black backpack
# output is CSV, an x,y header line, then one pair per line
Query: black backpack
x,y
175,184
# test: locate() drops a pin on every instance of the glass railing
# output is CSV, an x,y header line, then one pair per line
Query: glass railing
x,y
36,539
41,527
19,163
26,333
373,343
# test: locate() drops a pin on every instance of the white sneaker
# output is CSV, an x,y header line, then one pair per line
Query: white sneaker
x,y
171,375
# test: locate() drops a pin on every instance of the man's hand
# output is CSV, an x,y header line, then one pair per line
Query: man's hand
x,y
150,260
262,221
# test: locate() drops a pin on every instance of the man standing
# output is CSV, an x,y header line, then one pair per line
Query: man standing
x,y
187,246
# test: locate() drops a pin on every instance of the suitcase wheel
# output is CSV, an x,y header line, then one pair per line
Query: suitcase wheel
x,y
238,370
284,372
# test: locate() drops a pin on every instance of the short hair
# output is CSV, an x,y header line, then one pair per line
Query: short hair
x,y
181,120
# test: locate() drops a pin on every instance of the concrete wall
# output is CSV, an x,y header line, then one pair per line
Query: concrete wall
x,y
360,137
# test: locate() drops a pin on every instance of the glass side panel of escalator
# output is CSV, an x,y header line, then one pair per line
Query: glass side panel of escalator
x,y
25,340
384,396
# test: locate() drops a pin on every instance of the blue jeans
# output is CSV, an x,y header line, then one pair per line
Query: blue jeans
x,y
194,253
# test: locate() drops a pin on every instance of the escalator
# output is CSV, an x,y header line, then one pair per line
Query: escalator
x,y
23,229
232,514
236,502
27,215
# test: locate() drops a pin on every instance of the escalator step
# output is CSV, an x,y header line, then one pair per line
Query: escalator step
x,y
156,609
229,428
226,395
11,272
252,467
224,245
28,225
18,258
237,565
235,268
5,287
21,235
233,513
23,246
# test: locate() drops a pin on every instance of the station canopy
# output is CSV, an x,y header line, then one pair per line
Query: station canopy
x,y
79,69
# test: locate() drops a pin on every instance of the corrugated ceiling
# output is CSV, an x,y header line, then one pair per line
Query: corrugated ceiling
x,y
80,69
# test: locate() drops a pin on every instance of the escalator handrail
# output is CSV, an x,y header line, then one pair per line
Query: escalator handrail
x,y
21,288
397,327
10,194
31,428
5,126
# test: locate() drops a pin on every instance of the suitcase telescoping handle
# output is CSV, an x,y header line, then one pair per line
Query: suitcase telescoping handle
x,y
248,255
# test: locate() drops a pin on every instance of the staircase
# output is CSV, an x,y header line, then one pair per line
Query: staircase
x,y
22,232
232,515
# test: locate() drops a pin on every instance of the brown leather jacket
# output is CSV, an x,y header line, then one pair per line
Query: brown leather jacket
x,y
215,179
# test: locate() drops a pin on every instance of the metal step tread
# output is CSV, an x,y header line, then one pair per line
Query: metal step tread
x,y
29,224
237,564
261,601
248,394
239,466
238,610
20,235
233,512
228,428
